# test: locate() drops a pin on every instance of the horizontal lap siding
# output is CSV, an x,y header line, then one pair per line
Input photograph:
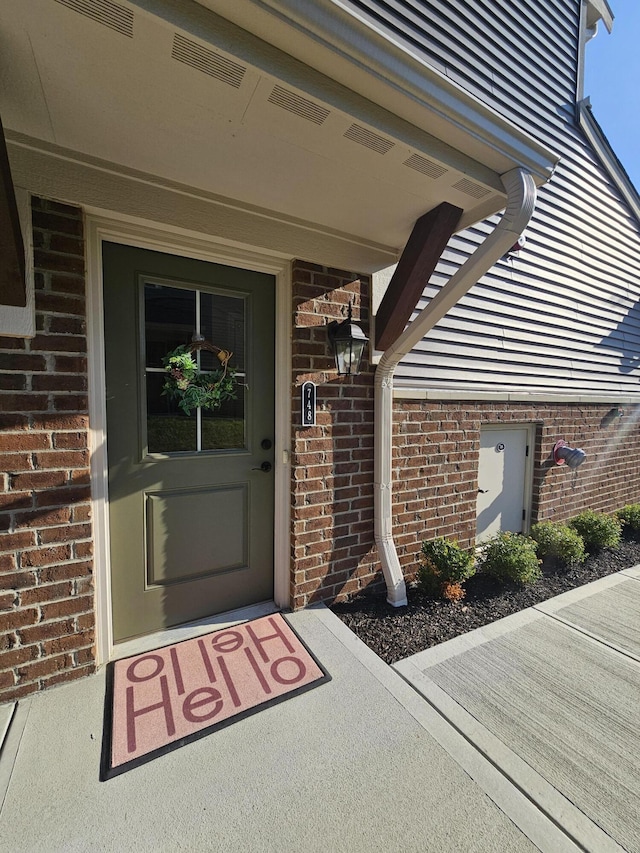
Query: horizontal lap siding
x,y
563,314
499,51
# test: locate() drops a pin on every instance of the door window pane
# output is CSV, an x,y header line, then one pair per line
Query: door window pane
x,y
222,320
172,316
169,430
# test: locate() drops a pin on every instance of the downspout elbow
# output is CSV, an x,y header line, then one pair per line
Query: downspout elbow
x,y
521,196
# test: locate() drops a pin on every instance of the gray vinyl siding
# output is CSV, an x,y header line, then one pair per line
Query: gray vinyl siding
x,y
499,50
563,316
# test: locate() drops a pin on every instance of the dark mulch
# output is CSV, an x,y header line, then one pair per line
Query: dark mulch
x,y
397,632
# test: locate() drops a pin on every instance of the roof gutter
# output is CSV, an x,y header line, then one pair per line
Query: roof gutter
x,y
521,196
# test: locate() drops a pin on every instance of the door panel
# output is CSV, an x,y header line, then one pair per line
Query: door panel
x,y
502,476
174,529
191,512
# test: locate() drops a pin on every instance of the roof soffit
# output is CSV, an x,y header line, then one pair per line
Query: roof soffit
x,y
333,39
280,136
65,84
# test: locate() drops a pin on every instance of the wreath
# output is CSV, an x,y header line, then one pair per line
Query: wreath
x,y
192,388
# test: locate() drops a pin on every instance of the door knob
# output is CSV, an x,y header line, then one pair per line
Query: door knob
x,y
266,467
483,491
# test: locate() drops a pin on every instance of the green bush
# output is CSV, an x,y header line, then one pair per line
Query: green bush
x,y
598,530
444,566
629,517
558,542
510,557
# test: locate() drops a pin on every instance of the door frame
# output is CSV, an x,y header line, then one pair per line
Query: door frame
x,y
101,226
527,497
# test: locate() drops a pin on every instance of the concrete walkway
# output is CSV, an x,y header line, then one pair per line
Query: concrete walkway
x,y
551,696
517,737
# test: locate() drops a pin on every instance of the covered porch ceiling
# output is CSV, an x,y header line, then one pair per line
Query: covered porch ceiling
x,y
176,91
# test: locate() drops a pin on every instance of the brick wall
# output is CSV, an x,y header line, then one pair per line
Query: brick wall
x,y
333,553
46,590
436,451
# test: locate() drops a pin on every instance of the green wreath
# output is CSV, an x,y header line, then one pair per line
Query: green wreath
x,y
194,389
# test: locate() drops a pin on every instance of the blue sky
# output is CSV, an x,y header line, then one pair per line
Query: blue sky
x,y
612,81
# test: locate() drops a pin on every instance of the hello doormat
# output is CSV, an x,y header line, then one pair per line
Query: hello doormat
x,y
161,700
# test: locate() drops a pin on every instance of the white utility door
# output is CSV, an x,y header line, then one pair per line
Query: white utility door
x,y
503,480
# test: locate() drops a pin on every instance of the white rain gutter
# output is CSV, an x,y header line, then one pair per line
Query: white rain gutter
x,y
521,197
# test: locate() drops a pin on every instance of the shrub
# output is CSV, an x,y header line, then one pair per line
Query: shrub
x,y
452,591
597,529
558,542
510,557
445,565
629,517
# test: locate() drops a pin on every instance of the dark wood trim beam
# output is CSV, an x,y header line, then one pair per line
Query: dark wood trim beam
x,y
13,288
426,244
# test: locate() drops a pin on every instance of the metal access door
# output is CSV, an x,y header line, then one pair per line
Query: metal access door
x,y
503,480
191,496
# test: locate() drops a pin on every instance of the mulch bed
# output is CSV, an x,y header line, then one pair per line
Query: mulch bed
x,y
397,632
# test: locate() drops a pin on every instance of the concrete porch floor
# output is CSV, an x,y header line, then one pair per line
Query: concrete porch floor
x,y
516,737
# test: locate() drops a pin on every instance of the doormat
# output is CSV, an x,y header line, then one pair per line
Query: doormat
x,y
161,700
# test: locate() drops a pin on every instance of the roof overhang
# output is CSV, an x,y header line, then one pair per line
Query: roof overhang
x,y
334,39
306,113
599,10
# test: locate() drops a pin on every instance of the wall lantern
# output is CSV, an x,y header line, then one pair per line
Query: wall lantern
x,y
347,342
612,415
573,456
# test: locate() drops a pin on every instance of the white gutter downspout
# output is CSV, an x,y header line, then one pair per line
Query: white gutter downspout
x,y
521,197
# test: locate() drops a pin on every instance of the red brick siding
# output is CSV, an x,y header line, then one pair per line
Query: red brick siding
x,y
436,448
46,588
46,591
435,451
332,549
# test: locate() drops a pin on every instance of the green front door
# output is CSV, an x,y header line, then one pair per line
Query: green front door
x,y
190,496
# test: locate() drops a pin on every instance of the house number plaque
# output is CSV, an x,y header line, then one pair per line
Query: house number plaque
x,y
308,404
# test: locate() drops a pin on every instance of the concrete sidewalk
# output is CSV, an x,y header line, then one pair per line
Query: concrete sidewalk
x,y
551,696
362,763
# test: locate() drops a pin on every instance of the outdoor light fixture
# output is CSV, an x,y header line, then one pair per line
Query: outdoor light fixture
x,y
347,341
573,456
612,415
